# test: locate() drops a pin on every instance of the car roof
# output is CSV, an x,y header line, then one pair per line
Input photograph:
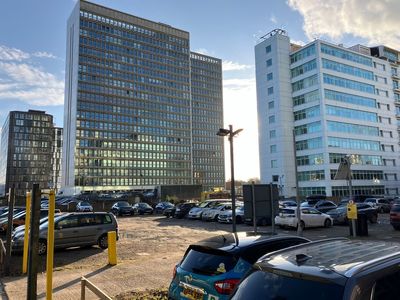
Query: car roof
x,y
240,242
325,258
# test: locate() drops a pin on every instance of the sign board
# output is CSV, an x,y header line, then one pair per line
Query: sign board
x,y
351,211
343,173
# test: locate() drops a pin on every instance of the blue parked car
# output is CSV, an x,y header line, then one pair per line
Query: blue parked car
x,y
212,268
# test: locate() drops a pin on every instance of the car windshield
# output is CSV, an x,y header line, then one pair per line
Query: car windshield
x,y
144,205
123,204
84,204
207,263
203,204
274,287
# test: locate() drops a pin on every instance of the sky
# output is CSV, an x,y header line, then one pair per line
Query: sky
x,y
33,47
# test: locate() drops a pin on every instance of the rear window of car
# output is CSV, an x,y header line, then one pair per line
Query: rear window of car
x,y
286,211
396,208
273,287
207,263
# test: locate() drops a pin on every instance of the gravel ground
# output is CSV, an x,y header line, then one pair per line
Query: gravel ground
x,y
148,249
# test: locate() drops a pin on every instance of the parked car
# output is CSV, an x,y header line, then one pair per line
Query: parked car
x,y
212,214
310,217
84,206
196,212
72,230
142,208
19,219
329,269
17,210
383,205
321,205
339,214
183,209
160,207
212,268
226,216
395,216
287,203
121,208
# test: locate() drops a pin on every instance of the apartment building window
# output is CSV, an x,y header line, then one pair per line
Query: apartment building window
x,y
307,113
271,104
379,66
336,142
302,54
272,149
271,119
346,69
272,134
306,98
274,163
381,92
349,98
268,49
270,90
270,76
381,79
349,84
305,83
391,176
269,62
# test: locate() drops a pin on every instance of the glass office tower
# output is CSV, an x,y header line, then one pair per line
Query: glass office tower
x,y
128,104
207,114
336,101
26,151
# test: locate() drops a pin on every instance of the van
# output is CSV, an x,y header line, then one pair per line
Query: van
x,y
74,229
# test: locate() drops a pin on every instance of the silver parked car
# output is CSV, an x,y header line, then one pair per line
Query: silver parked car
x,y
72,230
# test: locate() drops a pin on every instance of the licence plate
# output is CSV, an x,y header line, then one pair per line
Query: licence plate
x,y
192,293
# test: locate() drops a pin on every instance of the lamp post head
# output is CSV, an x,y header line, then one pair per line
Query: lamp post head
x,y
223,132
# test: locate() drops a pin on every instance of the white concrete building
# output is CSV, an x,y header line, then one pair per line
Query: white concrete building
x,y
336,101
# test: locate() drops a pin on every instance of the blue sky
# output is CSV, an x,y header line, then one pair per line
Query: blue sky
x,y
33,34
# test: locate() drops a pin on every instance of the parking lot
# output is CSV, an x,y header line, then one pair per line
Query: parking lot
x,y
148,249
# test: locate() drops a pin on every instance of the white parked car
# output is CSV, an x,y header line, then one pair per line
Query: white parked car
x,y
197,212
84,206
212,213
310,217
226,216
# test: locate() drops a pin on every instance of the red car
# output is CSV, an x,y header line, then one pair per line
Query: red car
x,y
395,216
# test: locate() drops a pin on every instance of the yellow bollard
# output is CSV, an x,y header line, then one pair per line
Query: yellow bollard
x,y
26,236
112,248
50,247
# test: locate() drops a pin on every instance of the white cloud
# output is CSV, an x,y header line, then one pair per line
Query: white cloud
x,y
240,110
273,19
44,54
28,83
298,42
228,65
202,51
375,21
12,54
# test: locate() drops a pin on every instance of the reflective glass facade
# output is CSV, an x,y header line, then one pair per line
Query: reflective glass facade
x,y
137,110
207,116
26,152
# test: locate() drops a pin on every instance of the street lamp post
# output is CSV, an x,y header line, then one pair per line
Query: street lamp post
x,y
230,133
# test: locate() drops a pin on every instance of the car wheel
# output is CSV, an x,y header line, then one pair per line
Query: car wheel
x,y
132,213
42,247
103,241
328,223
373,219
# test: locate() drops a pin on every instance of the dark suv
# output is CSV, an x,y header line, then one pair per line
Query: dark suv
x,y
328,269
